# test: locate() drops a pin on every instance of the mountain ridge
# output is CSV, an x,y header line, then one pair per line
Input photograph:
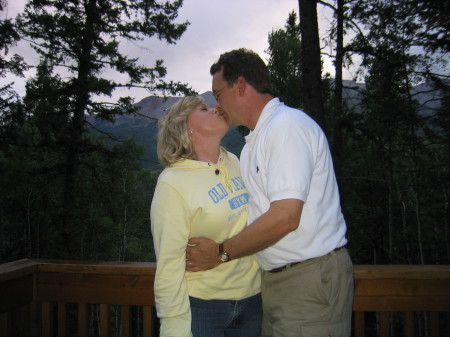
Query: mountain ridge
x,y
143,126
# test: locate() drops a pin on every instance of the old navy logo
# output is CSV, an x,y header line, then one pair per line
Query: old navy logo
x,y
239,201
219,192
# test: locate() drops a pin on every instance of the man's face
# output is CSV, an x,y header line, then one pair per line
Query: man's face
x,y
225,97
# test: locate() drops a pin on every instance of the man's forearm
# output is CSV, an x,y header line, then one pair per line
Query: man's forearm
x,y
282,218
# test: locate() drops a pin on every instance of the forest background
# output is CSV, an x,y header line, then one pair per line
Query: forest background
x,y
72,190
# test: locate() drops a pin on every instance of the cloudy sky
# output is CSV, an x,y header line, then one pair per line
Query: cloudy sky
x,y
216,26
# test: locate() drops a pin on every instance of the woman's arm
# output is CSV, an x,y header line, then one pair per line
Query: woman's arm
x,y
170,229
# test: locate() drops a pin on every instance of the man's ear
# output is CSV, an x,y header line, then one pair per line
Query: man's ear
x,y
242,84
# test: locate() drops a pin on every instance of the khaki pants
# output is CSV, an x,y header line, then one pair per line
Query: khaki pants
x,y
311,299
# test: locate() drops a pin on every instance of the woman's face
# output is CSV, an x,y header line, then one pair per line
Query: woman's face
x,y
205,121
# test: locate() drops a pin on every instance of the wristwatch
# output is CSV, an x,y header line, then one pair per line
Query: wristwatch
x,y
223,255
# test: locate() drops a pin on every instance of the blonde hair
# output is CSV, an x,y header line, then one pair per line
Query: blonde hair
x,y
173,141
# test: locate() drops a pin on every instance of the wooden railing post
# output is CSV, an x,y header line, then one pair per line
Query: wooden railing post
x,y
4,325
83,320
104,320
148,321
125,320
408,324
434,324
359,324
384,324
62,317
46,321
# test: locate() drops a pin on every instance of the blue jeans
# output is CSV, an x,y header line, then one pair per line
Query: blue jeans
x,y
226,318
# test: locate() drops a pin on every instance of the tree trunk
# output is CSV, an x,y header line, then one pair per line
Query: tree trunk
x,y
77,128
337,135
125,221
311,61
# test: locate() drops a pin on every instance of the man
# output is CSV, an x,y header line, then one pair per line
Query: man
x,y
296,228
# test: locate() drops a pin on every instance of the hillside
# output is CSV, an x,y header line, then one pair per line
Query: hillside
x,y
143,127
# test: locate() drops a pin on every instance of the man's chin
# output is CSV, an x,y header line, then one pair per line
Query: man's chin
x,y
229,121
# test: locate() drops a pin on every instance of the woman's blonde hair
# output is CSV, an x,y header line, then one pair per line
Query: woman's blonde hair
x,y
173,141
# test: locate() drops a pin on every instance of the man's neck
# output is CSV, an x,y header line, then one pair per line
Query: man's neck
x,y
257,106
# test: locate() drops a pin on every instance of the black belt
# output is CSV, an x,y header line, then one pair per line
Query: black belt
x,y
277,270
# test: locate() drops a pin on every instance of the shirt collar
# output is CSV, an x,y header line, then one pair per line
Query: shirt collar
x,y
268,110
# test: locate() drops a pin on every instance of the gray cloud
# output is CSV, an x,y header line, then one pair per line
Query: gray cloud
x,y
216,26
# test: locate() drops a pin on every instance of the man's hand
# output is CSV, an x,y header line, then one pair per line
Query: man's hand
x,y
202,254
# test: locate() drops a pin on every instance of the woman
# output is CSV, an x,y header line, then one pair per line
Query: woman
x,y
200,193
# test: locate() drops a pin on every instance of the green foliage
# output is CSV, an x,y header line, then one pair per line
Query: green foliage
x,y
285,62
8,38
394,156
424,21
15,65
112,204
83,40
78,197
113,209
394,171
399,193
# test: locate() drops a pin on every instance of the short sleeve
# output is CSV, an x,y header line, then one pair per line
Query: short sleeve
x,y
290,164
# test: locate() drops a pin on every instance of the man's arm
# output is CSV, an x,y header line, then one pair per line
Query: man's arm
x,y
282,218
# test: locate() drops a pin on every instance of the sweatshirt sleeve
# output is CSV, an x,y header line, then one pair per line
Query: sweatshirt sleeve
x,y
169,216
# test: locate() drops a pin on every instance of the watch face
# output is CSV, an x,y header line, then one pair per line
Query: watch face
x,y
224,257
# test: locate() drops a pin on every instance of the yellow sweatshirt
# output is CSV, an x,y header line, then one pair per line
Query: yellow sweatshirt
x,y
194,198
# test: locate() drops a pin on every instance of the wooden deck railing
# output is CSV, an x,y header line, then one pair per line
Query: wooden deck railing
x,y
65,298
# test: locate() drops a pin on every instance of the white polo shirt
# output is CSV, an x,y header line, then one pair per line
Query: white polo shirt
x,y
287,156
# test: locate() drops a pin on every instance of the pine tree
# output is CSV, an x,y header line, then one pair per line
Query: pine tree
x,y
78,42
399,56
285,64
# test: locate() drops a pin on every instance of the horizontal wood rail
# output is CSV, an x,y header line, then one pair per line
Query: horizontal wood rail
x,y
55,298
36,294
408,290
